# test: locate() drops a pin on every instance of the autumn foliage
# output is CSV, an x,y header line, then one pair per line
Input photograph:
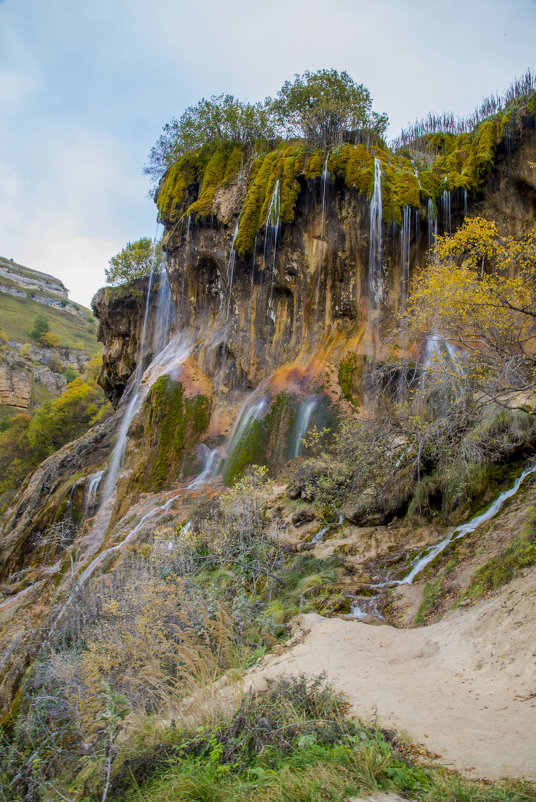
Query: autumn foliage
x,y
478,292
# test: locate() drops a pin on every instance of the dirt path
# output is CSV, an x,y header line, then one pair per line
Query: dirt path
x,y
464,687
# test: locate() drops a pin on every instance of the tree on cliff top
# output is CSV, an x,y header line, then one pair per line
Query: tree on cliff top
x,y
136,260
221,118
317,106
321,106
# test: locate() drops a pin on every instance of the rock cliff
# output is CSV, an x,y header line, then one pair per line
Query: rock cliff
x,y
261,344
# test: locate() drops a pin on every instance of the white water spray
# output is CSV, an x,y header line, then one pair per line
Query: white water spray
x,y
305,412
375,278
324,183
405,253
91,490
445,205
465,529
210,462
271,234
252,410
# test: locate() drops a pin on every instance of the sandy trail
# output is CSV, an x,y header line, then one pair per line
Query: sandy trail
x,y
464,687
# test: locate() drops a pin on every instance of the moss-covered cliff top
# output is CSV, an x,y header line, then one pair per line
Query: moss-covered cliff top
x,y
276,173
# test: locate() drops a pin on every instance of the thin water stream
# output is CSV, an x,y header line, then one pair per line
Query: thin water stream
x,y
307,407
375,278
369,606
324,183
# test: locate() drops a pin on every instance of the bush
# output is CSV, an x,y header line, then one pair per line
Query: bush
x,y
40,326
322,106
50,340
136,260
222,118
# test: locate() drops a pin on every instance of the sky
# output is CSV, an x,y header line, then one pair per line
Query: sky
x,y
85,88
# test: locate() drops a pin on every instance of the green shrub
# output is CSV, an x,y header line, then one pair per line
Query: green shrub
x,y
40,326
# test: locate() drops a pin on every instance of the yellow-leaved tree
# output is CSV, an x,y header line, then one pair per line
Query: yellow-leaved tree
x,y
478,293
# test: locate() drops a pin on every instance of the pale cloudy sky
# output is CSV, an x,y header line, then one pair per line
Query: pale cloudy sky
x,y
85,88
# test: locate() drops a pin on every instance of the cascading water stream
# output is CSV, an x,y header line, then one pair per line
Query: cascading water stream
x,y
253,409
416,174
465,529
164,318
271,234
156,513
369,606
363,609
324,183
306,410
90,493
118,452
319,536
405,252
375,278
230,275
445,205
211,459
432,225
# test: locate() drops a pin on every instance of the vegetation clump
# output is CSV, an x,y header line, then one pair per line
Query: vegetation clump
x,y
176,421
26,439
321,118
136,260
502,568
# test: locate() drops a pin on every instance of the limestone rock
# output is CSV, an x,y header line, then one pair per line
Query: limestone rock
x,y
16,378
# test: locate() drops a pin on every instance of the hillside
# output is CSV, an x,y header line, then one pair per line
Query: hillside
x,y
320,459
39,372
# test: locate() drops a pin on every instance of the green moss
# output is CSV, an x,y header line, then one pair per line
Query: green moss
x,y
284,164
173,195
505,566
482,154
430,596
178,422
314,164
268,441
450,162
213,177
433,592
234,162
347,368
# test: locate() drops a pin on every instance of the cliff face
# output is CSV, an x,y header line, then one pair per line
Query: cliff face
x,y
16,377
261,346
311,291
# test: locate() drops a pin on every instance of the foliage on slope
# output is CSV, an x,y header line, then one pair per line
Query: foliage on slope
x,y
28,439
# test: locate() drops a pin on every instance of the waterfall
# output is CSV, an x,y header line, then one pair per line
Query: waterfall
x,y
324,183
439,350
164,314
445,205
465,203
91,490
405,252
432,224
118,452
210,462
416,174
302,424
465,529
252,410
364,608
375,281
156,512
319,537
230,274
271,233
